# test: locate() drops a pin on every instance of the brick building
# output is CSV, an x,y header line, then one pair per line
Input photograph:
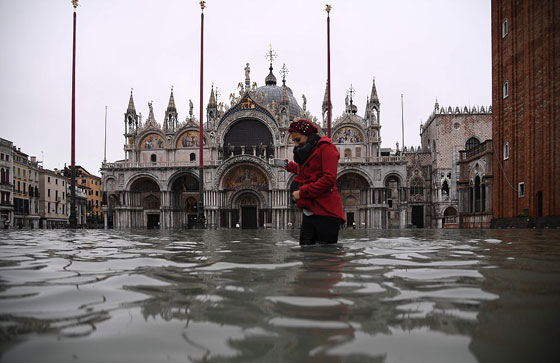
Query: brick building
x,y
526,100
447,132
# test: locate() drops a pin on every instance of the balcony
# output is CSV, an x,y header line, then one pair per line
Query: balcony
x,y
162,164
477,150
373,160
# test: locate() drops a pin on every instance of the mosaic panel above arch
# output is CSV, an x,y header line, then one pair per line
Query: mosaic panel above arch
x,y
348,135
190,139
152,141
245,176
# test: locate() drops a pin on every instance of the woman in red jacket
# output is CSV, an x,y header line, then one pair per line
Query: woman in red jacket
x,y
315,163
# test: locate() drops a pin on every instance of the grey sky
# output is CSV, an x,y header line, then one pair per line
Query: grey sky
x,y
423,49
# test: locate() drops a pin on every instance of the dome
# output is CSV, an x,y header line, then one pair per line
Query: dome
x,y
271,92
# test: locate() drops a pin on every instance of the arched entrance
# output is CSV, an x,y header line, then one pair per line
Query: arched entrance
x,y
450,218
245,186
394,195
247,204
145,193
353,191
184,201
250,137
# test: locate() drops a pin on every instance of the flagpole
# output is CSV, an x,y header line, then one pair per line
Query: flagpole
x,y
73,221
329,107
402,120
200,220
105,144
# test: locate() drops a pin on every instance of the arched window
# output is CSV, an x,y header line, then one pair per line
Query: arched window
x,y
347,153
417,187
477,194
193,157
445,188
472,142
153,158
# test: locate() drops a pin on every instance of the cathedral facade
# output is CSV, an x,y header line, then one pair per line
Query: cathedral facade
x,y
157,184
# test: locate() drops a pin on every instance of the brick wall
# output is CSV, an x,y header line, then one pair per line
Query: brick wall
x,y
527,56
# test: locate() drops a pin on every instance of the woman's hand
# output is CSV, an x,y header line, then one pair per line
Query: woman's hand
x,y
296,195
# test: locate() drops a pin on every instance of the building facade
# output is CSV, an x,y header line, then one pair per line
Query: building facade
x,y
526,100
26,190
156,185
6,184
444,135
53,207
476,175
92,186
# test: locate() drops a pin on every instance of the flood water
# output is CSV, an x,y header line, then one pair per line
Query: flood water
x,y
256,296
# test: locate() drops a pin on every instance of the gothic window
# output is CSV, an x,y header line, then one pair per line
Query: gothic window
x,y
192,157
504,28
445,188
506,150
472,142
417,187
477,195
505,89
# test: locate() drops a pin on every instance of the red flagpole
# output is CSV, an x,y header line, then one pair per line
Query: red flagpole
x,y
73,222
201,222
329,108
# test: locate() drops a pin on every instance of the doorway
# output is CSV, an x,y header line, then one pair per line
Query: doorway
x,y
539,204
153,221
349,219
418,216
249,217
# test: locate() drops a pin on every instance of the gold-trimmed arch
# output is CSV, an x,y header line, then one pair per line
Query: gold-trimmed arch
x,y
153,141
190,138
245,176
348,135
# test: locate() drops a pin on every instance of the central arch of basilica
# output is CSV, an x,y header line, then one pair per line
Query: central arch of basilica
x,y
157,184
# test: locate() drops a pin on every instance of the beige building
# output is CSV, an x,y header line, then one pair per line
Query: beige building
x,y
26,190
53,207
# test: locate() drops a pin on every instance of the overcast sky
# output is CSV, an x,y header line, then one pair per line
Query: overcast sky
x,y
423,49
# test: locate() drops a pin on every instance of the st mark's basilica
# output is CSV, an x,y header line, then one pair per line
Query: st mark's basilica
x,y
157,184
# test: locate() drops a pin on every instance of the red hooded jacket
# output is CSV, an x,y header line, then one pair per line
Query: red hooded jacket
x,y
317,180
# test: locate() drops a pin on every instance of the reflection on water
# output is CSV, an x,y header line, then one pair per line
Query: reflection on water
x,y
194,296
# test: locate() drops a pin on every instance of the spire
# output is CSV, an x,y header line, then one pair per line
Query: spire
x,y
270,80
436,106
171,106
212,101
131,109
326,97
373,97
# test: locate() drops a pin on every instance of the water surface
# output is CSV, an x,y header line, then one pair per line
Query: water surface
x,y
256,296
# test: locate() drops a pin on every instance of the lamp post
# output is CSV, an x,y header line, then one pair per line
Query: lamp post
x,y
201,219
329,107
73,221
